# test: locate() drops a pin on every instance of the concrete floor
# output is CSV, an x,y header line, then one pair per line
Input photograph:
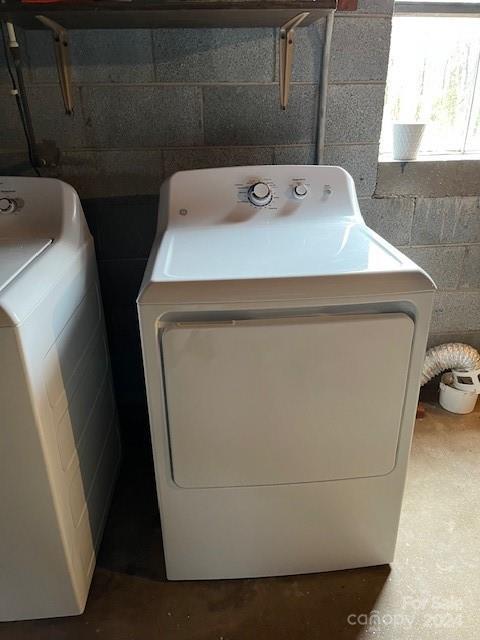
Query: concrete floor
x,y
432,590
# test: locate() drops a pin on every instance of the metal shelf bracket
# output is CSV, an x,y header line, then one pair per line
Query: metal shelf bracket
x,y
286,49
62,56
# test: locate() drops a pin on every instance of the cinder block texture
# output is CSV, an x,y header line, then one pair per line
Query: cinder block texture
x,y
301,154
152,102
389,217
470,278
125,227
128,172
375,6
108,55
446,230
443,264
466,337
208,157
307,60
214,55
99,55
456,311
79,169
446,220
359,160
39,56
429,178
12,132
50,121
354,113
236,115
144,116
360,49
142,94
15,163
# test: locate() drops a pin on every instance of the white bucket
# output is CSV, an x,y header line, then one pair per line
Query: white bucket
x,y
455,400
406,140
467,380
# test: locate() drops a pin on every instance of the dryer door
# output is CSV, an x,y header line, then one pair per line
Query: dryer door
x,y
285,401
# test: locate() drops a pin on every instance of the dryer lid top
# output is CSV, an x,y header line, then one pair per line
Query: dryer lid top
x,y
272,246
275,251
16,254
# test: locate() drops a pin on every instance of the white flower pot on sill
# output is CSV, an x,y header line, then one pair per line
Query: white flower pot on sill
x,y
406,140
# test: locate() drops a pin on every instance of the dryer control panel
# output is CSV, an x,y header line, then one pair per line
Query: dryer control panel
x,y
258,195
40,208
262,194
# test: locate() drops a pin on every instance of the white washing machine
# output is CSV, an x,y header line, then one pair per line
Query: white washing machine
x,y
283,342
59,442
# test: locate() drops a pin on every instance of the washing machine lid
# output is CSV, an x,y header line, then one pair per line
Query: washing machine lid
x,y
16,254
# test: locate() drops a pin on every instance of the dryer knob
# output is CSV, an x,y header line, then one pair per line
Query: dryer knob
x,y
260,194
7,205
300,191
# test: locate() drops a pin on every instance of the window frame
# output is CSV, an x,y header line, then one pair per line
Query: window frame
x,y
430,177
434,8
414,8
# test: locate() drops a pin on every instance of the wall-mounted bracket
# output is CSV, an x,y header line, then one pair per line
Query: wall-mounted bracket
x,y
286,49
62,56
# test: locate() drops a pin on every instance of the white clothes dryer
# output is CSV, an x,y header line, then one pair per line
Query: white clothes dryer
x,y
283,342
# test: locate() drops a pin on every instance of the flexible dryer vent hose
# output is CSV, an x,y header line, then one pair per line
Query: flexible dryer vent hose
x,y
454,355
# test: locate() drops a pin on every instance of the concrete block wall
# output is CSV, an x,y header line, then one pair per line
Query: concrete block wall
x,y
148,103
442,235
151,102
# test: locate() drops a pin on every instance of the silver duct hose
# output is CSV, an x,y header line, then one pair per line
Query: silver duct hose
x,y
454,355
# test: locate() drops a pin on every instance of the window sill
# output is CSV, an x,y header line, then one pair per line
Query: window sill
x,y
441,157
429,177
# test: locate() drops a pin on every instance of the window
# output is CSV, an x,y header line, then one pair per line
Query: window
x,y
434,77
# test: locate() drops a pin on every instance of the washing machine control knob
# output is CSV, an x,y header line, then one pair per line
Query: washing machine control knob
x,y
300,191
7,205
260,194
